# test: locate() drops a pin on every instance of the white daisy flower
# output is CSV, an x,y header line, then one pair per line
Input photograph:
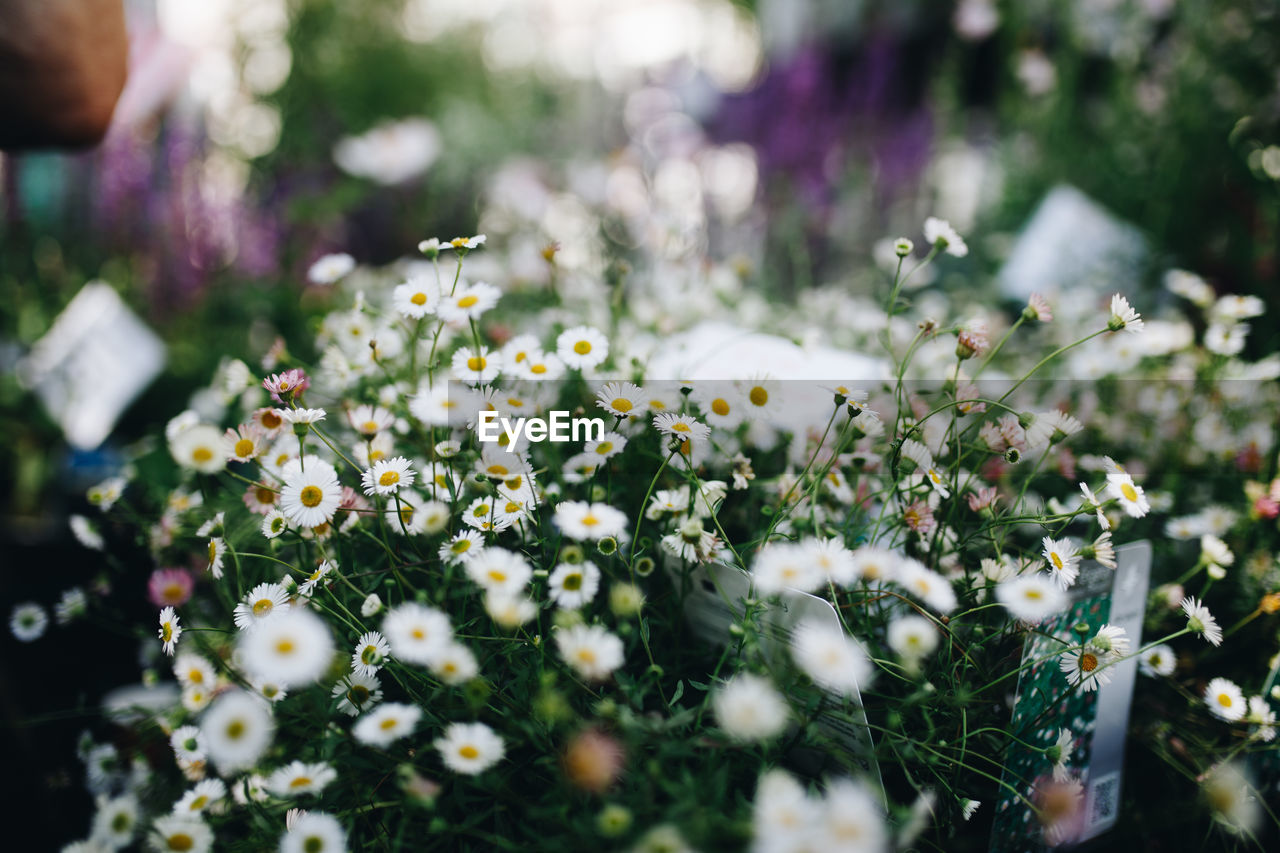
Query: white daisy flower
x,y
1063,560
454,664
388,476
416,632
386,724
1201,621
912,637
927,585
199,448
722,404
269,690
1214,552
782,566
302,416
1225,700
1262,718
262,602
509,611
516,352
573,585
188,744
436,406
582,347
470,748
1123,316
461,243
475,367
852,819
1103,551
369,420
237,729
590,650
330,269
468,302
608,446
292,648
938,232
86,533
315,832
681,426
783,812
1084,666
462,546
762,398
1051,427
1091,502
583,521
540,365
274,523
297,778
923,459
499,571
748,708
1158,661
196,698
1226,339
372,650
1111,641
831,658
316,577
170,630
311,492
217,554
873,563
358,693
1060,754
371,605
193,670
181,832
200,798
116,822
244,444
416,298
1130,495
622,399
1032,597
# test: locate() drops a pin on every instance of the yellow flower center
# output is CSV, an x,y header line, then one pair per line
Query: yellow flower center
x,y
244,447
538,369
1088,662
388,478
180,841
1033,595
271,420
285,647
1225,700
310,496
497,576
199,802
235,729
468,300
680,426
418,298
300,782
573,582
720,406
604,447
1057,561
460,546
168,631
622,404
201,454
262,607
213,550
387,724
759,396
1130,494
475,363
264,495
590,520
358,694
582,347
469,752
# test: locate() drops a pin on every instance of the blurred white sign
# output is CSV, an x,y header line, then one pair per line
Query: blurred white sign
x,y
1072,245
94,361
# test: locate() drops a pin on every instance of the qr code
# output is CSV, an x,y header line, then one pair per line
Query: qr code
x,y
1103,795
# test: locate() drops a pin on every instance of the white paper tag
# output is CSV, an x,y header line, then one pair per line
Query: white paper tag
x,y
91,364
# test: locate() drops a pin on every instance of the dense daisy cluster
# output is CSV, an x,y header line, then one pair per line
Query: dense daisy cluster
x,y
377,629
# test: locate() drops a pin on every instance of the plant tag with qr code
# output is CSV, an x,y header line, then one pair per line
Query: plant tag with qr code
x,y
1078,797
715,602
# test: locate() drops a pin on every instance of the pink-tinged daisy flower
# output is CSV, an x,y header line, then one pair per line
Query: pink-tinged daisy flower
x,y
288,384
260,499
170,587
